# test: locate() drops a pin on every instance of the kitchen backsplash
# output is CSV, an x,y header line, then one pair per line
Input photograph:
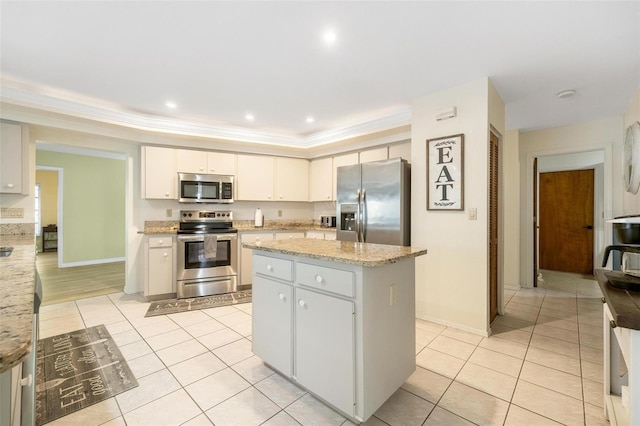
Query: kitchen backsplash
x,y
17,228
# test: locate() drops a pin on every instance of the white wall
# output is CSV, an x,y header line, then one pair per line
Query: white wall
x,y
593,136
631,202
511,210
452,279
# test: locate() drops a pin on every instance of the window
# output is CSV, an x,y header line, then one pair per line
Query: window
x,y
37,211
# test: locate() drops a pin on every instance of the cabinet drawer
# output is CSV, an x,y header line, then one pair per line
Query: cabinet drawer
x,y
332,280
160,241
273,267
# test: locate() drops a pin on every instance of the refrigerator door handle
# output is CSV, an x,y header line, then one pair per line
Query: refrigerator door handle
x,y
357,215
363,215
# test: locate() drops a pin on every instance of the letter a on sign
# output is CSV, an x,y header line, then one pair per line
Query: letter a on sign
x,y
445,172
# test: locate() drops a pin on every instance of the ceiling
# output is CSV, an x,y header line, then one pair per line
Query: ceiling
x,y
121,61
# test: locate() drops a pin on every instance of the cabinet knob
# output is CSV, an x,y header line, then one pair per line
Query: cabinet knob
x,y
257,238
318,279
603,300
201,169
269,268
160,242
328,197
281,296
166,194
9,185
302,303
281,197
613,324
269,197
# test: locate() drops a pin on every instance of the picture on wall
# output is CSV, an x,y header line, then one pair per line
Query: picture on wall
x,y
445,173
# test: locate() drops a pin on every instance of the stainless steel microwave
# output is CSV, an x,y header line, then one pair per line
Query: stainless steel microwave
x,y
204,188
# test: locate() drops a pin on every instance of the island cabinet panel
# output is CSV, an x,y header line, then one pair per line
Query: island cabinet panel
x,y
272,325
324,347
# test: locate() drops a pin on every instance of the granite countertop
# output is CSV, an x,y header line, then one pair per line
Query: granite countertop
x,y
362,254
171,227
623,304
17,283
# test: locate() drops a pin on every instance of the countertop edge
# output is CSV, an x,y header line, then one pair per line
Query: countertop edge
x,y
621,316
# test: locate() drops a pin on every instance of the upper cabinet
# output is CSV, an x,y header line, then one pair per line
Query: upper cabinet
x,y
14,159
374,155
321,179
159,175
339,161
255,177
292,179
219,163
402,150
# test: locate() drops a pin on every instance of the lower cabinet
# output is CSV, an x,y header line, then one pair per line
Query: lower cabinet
x,y
159,274
324,347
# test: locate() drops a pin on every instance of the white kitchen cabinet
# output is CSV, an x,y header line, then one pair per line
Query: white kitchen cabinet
x,y
272,324
324,347
353,327
339,161
401,150
321,179
374,155
255,177
289,235
192,161
159,277
11,396
292,179
246,265
14,159
159,173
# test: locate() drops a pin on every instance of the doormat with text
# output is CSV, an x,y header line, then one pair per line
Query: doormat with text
x,y
78,369
174,306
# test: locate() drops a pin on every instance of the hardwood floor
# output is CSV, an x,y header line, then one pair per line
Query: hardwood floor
x,y
67,284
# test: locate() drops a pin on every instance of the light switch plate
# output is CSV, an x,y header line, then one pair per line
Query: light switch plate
x,y
472,213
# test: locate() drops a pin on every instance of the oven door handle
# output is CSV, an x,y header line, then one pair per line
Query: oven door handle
x,y
221,237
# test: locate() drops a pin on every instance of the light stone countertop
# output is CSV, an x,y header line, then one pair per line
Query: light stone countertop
x,y
362,254
17,284
171,227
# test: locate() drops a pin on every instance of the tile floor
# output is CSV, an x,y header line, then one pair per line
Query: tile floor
x,y
542,366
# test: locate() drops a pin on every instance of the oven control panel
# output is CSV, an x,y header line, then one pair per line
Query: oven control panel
x,y
205,216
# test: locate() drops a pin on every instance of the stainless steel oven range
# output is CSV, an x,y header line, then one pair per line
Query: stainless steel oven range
x,y
207,254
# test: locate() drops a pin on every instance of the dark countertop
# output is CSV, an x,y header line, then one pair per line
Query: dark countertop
x,y
17,283
623,304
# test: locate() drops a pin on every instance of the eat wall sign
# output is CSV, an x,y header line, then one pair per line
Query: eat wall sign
x,y
445,170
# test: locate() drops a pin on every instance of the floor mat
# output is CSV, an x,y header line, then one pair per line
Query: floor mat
x,y
173,306
78,369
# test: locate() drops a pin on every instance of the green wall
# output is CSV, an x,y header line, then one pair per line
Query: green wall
x,y
93,205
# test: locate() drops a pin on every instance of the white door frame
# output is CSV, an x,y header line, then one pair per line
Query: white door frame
x,y
60,171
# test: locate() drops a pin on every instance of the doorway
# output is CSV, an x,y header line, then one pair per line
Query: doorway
x,y
566,219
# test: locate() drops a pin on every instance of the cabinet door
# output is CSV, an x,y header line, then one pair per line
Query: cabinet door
x,y
330,236
222,163
321,180
255,177
191,161
402,150
272,323
374,155
292,179
246,261
11,158
324,347
289,235
315,235
339,161
161,178
161,271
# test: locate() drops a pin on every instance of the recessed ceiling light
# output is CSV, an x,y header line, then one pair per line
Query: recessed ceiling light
x,y
310,120
249,117
566,94
171,105
330,37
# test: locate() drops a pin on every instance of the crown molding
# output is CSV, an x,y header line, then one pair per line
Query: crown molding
x,y
56,101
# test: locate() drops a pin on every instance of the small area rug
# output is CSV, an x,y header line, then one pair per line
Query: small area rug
x,y
78,369
173,306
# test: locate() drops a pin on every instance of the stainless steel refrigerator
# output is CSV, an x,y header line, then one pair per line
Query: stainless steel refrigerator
x,y
374,202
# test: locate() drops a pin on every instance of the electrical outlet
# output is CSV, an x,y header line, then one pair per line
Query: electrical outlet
x,y
279,213
168,213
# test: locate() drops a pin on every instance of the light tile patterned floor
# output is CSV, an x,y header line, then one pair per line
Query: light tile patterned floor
x,y
542,366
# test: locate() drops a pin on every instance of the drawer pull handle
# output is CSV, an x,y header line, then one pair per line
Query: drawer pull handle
x,y
302,303
160,242
613,324
602,299
281,296
269,268
319,279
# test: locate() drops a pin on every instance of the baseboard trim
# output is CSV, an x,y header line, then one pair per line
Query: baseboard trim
x,y
483,333
92,262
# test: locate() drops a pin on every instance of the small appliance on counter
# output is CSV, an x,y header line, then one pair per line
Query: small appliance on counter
x,y
258,218
627,234
328,221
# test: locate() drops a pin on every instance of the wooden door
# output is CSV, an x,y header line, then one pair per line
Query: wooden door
x,y
493,225
566,221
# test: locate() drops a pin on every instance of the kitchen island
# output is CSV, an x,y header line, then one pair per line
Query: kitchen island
x,y
337,318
